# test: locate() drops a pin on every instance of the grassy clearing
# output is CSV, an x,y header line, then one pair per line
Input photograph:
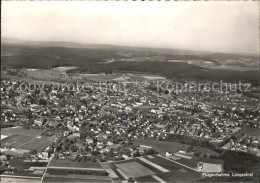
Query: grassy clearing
x,y
39,144
70,163
134,169
248,131
15,140
161,146
20,130
25,139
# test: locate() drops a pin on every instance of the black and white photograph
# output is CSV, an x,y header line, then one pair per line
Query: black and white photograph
x,y
130,92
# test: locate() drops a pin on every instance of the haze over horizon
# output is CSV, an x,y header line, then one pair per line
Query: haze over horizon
x,y
199,26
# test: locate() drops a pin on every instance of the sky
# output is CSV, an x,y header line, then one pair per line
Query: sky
x,y
200,26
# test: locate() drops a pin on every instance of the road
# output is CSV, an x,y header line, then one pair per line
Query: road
x,y
52,156
47,167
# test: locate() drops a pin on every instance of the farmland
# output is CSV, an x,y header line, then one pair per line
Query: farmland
x,y
19,163
75,171
93,61
70,163
15,140
26,171
248,131
161,146
19,180
181,173
27,139
39,143
164,163
19,130
162,169
133,169
17,136
16,153
123,174
66,179
54,74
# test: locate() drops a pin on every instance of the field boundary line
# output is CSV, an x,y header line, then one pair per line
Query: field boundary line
x,y
178,163
106,171
18,176
75,168
125,177
164,170
158,179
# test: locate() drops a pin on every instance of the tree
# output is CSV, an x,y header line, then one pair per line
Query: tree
x,y
95,153
160,138
33,151
137,154
56,156
151,151
189,148
42,102
131,180
73,148
8,156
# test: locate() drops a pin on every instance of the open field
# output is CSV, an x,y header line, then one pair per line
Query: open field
x,y
47,74
164,163
113,173
77,171
88,177
55,74
162,169
73,171
95,77
16,153
19,180
28,139
64,69
166,146
146,179
190,162
116,170
173,64
144,76
19,163
248,131
24,174
39,144
134,169
15,140
78,180
182,174
26,170
161,146
19,130
70,163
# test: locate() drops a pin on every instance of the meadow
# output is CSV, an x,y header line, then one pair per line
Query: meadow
x,y
162,146
27,139
70,163
134,169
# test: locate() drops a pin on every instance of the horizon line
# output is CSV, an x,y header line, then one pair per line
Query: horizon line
x,y
131,46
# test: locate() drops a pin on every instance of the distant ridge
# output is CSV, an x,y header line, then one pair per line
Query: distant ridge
x,y
7,40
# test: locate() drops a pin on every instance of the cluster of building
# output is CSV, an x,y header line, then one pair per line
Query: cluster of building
x,y
103,124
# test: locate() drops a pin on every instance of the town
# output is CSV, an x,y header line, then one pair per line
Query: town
x,y
52,129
